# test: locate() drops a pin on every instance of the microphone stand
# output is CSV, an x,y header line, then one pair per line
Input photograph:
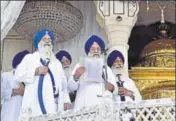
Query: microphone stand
x,y
105,72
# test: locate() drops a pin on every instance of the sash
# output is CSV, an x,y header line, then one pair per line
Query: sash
x,y
40,87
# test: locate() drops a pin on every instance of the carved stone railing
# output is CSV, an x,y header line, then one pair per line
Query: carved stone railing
x,y
146,110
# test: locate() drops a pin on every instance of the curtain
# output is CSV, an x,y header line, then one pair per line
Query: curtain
x,y
90,27
10,10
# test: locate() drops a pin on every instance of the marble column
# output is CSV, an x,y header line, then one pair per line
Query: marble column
x,y
117,18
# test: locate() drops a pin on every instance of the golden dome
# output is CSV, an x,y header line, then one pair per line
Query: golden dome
x,y
158,47
158,53
154,75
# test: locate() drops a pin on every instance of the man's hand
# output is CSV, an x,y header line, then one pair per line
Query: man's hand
x,y
125,92
66,106
41,70
121,91
109,87
19,91
79,72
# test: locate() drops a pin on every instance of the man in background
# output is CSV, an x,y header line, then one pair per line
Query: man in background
x,y
11,91
127,90
65,58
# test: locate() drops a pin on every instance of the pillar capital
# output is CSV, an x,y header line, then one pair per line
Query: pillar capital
x,y
117,12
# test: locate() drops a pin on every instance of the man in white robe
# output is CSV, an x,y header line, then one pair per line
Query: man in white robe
x,y
11,91
91,93
42,96
127,89
65,58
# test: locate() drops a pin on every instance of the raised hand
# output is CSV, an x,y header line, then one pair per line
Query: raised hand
x,y
79,72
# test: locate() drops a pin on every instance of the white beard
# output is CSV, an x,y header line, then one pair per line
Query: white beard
x,y
67,72
45,51
117,71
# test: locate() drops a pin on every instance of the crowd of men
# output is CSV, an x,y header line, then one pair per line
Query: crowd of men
x,y
44,83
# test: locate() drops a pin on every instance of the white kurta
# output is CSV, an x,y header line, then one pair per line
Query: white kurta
x,y
88,93
26,73
11,105
130,85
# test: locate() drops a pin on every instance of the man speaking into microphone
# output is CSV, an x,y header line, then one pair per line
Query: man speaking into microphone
x,y
44,77
90,90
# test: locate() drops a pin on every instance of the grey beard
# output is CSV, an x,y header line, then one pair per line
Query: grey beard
x,y
67,72
117,71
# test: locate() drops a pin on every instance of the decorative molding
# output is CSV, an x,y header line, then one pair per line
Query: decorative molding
x,y
154,82
139,73
133,10
114,6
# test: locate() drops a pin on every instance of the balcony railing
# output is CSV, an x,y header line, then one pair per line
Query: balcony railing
x,y
146,110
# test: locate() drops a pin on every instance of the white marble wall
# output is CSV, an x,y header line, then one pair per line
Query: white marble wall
x,y
10,46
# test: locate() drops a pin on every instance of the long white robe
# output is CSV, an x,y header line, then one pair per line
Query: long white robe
x,y
11,104
26,73
89,93
130,85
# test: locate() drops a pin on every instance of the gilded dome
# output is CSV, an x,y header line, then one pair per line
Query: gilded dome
x,y
161,46
158,53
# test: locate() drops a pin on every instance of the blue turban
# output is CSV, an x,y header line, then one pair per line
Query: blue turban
x,y
112,57
63,53
39,35
93,39
18,58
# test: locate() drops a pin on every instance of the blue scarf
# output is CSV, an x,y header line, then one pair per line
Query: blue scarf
x,y
40,87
